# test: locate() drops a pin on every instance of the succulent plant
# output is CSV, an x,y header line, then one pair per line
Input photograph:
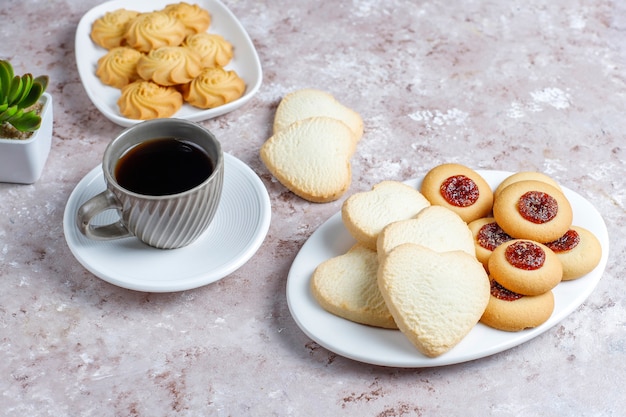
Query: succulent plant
x,y
17,95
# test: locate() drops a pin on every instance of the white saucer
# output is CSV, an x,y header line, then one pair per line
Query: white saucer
x,y
390,347
235,234
245,61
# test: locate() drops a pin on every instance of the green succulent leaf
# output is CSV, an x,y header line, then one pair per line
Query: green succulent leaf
x,y
27,84
8,113
18,114
34,94
28,122
43,81
4,107
16,89
6,75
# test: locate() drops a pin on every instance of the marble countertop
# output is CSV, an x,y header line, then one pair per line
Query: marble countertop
x,y
516,85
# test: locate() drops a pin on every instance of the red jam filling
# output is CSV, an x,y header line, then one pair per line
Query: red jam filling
x,y
525,255
502,293
565,243
490,236
537,207
459,191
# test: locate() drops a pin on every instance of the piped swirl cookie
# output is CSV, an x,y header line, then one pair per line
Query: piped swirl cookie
x,y
195,18
118,67
169,65
213,87
109,30
460,189
153,30
145,100
214,50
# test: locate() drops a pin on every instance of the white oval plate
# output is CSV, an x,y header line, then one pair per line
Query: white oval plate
x,y
235,234
245,60
390,347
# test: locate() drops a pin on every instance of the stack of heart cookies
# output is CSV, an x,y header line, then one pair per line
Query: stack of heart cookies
x,y
413,268
314,138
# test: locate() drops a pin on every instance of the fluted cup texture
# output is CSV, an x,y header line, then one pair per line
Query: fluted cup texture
x,y
161,221
174,222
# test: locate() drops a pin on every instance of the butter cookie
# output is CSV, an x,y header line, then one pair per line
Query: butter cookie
x,y
169,65
153,30
118,67
214,50
526,175
145,100
109,30
195,18
533,210
512,312
460,189
579,251
213,87
487,236
525,267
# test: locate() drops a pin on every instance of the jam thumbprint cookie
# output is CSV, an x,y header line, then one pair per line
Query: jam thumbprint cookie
x,y
487,236
579,251
525,267
524,176
533,210
512,312
460,189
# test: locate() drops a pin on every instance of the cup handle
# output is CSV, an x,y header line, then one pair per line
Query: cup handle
x,y
106,200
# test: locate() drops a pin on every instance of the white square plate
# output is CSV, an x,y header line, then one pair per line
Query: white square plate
x,y
245,60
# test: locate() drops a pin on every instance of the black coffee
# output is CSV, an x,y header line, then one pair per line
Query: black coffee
x,y
163,166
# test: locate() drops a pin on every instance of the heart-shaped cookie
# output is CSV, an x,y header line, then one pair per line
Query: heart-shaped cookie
x,y
311,158
436,227
308,102
366,213
346,286
435,298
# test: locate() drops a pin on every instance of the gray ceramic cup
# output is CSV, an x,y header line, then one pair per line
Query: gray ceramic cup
x,y
164,221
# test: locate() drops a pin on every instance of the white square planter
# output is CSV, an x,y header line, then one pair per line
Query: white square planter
x,y
22,161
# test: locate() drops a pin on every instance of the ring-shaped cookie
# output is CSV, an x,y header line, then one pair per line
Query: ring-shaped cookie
x,y
525,267
487,235
579,251
460,189
533,210
514,312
